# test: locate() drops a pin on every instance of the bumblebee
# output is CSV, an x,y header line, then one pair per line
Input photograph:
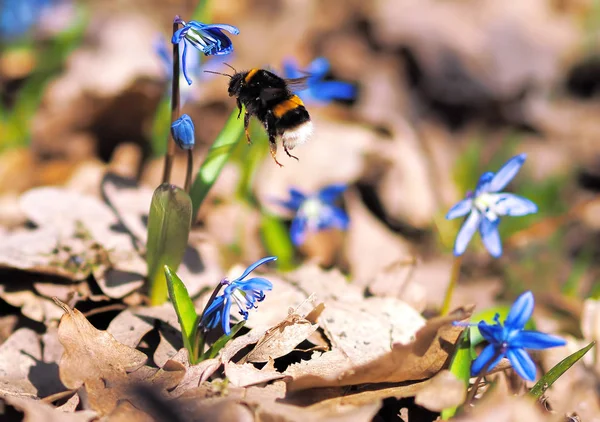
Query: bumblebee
x,y
269,98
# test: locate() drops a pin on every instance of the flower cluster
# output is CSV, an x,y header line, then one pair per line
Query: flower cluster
x,y
315,212
510,339
245,294
318,90
487,205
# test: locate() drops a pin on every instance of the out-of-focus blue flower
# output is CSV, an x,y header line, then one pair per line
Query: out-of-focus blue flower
x,y
18,16
511,339
182,130
487,205
315,212
317,89
209,39
245,294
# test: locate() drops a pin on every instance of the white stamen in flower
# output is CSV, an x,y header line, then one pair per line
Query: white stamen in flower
x,y
486,203
311,209
240,299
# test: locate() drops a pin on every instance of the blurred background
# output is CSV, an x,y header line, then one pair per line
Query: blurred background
x,y
444,91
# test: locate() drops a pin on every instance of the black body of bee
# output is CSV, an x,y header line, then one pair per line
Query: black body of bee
x,y
268,97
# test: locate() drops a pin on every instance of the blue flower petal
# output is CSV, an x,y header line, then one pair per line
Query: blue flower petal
x,y
318,68
487,354
211,316
522,363
331,192
483,185
507,173
466,232
254,266
339,219
326,91
290,69
226,315
298,230
514,205
520,311
199,26
255,283
536,340
184,64
182,131
491,332
491,237
460,209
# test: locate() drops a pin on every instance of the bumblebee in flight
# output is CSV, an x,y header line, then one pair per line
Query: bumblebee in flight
x,y
269,98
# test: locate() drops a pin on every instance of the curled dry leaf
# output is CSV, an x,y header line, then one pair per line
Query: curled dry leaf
x,y
95,359
505,408
285,336
325,412
418,359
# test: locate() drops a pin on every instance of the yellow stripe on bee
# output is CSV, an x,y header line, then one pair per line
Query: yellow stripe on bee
x,y
291,103
250,74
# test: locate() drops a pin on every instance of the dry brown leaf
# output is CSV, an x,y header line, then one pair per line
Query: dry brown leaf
x,y
26,371
32,306
442,391
506,408
36,411
246,374
420,359
279,412
397,280
95,359
285,336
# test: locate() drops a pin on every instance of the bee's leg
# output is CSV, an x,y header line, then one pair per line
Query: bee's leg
x,y
246,123
273,149
288,152
239,106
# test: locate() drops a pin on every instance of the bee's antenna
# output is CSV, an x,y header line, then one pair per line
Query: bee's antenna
x,y
231,67
218,73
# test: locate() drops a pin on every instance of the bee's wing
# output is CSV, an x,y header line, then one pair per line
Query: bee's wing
x,y
298,84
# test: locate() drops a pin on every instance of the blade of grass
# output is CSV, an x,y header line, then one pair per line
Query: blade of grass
x,y
186,313
277,241
217,156
169,225
555,373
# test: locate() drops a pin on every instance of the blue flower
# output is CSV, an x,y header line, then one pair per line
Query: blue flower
x,y
511,339
316,212
182,130
245,294
18,16
487,205
209,39
318,90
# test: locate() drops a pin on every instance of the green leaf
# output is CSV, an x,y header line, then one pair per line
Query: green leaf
x,y
277,241
217,156
222,341
460,365
186,313
169,225
555,373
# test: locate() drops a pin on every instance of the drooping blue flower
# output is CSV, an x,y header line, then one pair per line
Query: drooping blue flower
x,y
182,130
317,89
245,294
510,339
315,212
209,39
487,205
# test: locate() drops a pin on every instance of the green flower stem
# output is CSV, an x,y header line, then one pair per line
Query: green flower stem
x,y
454,276
475,386
217,156
174,110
